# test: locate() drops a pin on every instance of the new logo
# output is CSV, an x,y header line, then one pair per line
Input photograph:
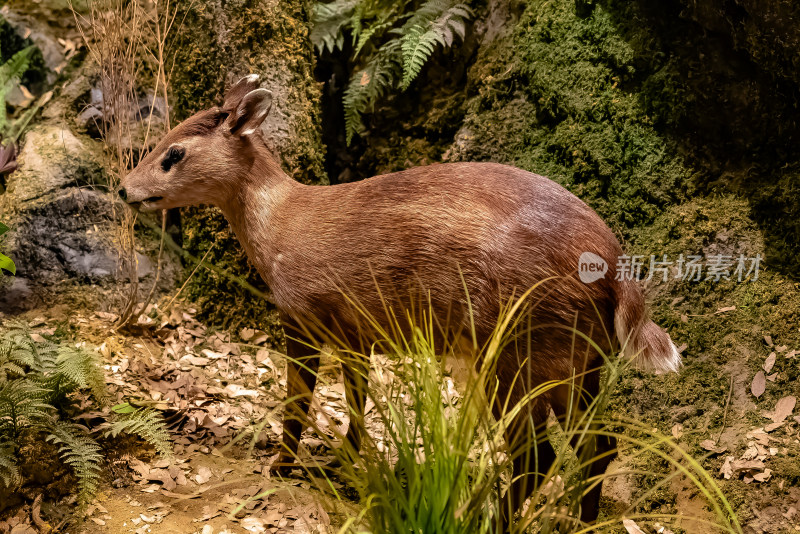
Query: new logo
x,y
591,267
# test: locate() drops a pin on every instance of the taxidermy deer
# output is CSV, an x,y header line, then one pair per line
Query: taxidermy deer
x,y
464,235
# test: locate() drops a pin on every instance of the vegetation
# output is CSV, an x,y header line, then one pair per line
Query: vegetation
x,y
677,121
439,462
6,263
389,44
40,383
669,131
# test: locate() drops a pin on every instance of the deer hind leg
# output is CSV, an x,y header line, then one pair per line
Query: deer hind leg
x,y
532,457
301,378
356,373
531,452
593,450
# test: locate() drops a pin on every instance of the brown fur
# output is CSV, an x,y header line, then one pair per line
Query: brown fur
x,y
427,232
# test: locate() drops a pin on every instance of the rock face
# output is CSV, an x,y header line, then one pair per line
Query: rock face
x,y
51,158
61,223
64,223
62,219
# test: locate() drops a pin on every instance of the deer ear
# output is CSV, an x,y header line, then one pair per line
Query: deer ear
x,y
250,112
238,90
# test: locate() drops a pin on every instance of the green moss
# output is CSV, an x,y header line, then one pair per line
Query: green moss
x,y
553,98
721,346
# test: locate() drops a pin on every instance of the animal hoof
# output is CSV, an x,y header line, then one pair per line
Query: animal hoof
x,y
283,467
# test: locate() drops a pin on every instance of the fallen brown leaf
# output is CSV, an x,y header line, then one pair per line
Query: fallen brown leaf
x,y
759,384
784,408
769,363
773,426
631,526
711,446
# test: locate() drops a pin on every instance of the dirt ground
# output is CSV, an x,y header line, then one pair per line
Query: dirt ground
x,y
214,388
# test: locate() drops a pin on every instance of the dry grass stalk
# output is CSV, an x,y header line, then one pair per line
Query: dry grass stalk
x,y
126,40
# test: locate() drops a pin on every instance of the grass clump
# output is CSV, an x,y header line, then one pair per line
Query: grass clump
x,y
437,461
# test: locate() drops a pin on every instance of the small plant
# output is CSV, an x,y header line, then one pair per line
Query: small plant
x,y
10,73
6,263
391,41
39,385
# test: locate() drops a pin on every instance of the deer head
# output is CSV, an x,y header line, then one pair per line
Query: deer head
x,y
205,158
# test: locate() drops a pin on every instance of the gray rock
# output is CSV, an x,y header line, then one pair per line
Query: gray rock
x,y
96,262
16,295
144,267
47,162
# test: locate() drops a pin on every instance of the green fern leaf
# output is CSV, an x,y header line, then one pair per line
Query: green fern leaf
x,y
409,37
9,472
437,22
83,369
369,84
143,422
82,454
10,71
329,23
21,406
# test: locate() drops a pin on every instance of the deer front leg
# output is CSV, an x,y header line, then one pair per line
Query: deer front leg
x,y
301,377
356,372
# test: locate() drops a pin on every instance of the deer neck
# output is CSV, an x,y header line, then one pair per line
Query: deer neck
x,y
253,207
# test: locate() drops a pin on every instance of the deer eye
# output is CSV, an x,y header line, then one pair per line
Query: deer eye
x,y
174,155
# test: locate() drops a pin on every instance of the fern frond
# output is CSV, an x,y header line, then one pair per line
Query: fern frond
x,y
373,30
437,22
10,71
329,23
17,346
371,22
369,84
83,370
409,36
15,67
9,472
21,406
82,454
145,423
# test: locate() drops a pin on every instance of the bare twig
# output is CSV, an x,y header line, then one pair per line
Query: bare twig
x,y
725,414
118,35
158,263
199,263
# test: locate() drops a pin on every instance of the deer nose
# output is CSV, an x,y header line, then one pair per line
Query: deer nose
x,y
122,193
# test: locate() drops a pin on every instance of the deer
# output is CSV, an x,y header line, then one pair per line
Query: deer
x,y
465,235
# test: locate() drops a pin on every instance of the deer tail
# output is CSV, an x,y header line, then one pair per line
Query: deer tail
x,y
643,342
